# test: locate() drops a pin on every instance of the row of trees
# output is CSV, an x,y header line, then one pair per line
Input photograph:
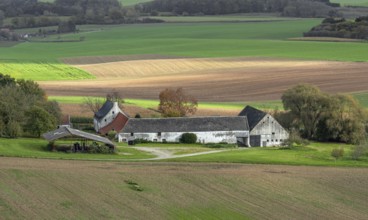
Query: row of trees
x,y
319,116
297,8
24,108
31,13
337,27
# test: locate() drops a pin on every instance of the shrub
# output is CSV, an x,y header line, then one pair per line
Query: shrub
x,y
358,151
188,138
294,140
337,153
111,135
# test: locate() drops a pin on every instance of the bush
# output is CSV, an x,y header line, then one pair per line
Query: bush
x,y
294,140
188,138
337,153
358,151
111,135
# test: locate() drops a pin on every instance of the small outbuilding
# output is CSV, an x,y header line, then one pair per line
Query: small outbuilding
x,y
81,140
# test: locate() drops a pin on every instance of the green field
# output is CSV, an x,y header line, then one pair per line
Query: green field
x,y
265,39
144,103
42,70
225,18
351,2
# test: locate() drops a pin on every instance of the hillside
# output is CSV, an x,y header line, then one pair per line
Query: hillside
x,y
99,190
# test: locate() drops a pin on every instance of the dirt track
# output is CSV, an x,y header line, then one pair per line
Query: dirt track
x,y
240,79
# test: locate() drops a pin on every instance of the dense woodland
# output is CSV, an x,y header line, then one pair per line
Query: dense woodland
x,y
292,8
332,27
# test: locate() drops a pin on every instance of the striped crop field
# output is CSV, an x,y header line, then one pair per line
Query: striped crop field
x,y
43,71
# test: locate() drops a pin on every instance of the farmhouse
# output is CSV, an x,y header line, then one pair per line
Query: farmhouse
x,y
109,117
251,128
264,129
207,129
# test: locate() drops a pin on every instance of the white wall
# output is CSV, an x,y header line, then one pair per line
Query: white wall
x,y
271,132
202,137
110,116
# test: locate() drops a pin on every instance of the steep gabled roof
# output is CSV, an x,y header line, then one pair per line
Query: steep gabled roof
x,y
254,115
66,131
195,124
117,124
107,106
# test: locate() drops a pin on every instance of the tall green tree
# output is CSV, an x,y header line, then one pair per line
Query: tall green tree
x,y
39,121
307,104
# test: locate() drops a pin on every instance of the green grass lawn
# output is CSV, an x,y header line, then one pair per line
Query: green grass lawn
x,y
36,148
224,18
316,154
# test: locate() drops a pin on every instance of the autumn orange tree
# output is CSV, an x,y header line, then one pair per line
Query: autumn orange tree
x,y
176,103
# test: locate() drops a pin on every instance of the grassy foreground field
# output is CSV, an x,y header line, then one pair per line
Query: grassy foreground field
x,y
56,189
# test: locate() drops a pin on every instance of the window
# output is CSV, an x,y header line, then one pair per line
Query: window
x,y
159,134
105,119
273,133
131,134
268,140
276,140
124,140
155,140
113,112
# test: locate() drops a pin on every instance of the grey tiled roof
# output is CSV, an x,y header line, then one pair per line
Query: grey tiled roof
x,y
194,124
66,132
107,106
254,115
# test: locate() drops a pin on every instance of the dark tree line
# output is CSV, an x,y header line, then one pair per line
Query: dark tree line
x,y
338,27
24,108
295,8
31,13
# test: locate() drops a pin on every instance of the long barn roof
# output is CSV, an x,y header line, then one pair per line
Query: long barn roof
x,y
195,124
66,132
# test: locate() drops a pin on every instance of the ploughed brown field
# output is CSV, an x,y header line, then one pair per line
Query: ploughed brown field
x,y
215,79
58,189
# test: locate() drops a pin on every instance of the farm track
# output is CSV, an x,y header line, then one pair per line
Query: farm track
x,y
217,79
59,189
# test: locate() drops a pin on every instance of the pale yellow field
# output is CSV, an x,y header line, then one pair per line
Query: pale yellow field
x,y
225,79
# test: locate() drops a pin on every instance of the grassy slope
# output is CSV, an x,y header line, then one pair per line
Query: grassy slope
x,y
54,189
35,148
266,39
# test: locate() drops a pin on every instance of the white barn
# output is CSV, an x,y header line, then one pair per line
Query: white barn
x,y
207,129
264,129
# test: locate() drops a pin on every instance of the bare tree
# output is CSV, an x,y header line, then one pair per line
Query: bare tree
x,y
92,104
